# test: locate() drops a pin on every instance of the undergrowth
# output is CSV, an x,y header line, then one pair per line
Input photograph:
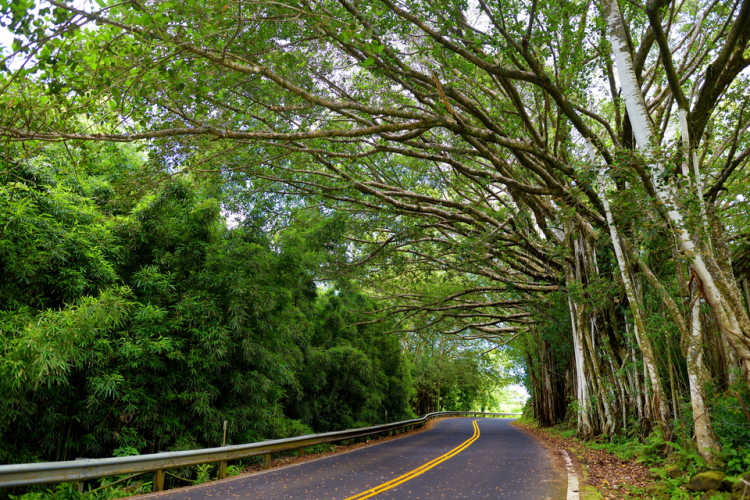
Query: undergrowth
x,y
673,462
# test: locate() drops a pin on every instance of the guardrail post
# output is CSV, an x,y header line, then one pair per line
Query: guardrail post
x,y
222,469
267,460
301,452
158,480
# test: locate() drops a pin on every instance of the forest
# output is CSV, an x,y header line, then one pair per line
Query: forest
x,y
135,320
301,215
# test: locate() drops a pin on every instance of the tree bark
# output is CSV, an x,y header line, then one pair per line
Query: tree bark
x,y
733,322
705,439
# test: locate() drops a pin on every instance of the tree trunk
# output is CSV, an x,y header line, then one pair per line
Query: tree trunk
x,y
582,388
734,322
705,439
649,359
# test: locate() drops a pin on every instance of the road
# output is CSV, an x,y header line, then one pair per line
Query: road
x,y
456,458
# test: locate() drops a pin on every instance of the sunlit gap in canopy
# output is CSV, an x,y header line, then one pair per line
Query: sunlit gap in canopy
x,y
7,37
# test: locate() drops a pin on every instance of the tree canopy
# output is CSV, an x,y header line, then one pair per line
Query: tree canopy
x,y
137,319
562,177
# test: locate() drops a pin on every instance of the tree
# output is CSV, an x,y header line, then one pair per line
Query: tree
x,y
478,140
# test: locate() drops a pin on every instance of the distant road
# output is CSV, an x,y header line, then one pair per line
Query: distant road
x,y
457,458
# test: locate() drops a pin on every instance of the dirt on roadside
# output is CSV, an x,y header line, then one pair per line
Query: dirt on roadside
x,y
611,477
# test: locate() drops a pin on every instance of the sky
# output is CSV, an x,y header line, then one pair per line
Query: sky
x,y
6,38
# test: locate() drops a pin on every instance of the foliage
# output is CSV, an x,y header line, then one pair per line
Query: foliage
x,y
135,320
729,411
450,375
557,181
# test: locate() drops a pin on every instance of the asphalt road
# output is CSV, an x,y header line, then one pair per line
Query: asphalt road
x,y
455,459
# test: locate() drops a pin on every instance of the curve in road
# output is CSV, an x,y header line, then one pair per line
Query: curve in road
x,y
456,458
408,476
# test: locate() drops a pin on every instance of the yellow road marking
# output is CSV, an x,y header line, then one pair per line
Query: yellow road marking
x,y
419,470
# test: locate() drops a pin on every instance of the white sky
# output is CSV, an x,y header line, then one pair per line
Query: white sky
x,y
521,390
6,38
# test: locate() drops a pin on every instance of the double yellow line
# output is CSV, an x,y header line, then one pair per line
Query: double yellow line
x,y
419,470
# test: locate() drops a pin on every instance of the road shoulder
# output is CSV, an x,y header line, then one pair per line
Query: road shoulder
x,y
600,474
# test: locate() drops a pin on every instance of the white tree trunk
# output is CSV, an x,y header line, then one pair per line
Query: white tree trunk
x,y
644,342
705,439
735,324
637,392
582,388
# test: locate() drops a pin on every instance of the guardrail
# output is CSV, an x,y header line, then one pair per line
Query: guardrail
x,y
92,468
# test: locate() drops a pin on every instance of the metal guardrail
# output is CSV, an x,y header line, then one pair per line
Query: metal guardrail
x,y
92,468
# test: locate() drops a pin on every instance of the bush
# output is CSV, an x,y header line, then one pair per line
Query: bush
x,y
732,426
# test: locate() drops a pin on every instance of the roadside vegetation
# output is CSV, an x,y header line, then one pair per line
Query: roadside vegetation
x,y
633,466
307,215
135,320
